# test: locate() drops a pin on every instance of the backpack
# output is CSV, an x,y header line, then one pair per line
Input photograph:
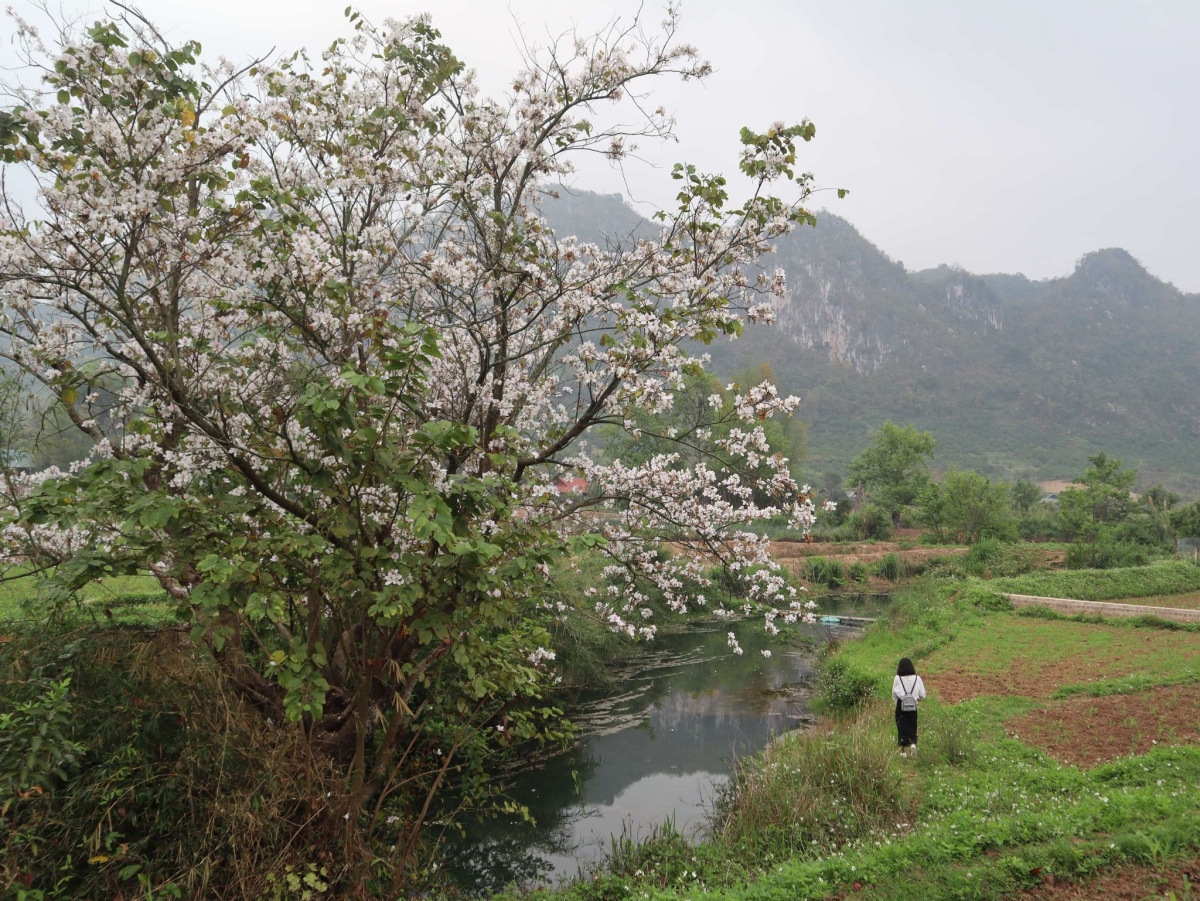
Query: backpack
x,y
908,701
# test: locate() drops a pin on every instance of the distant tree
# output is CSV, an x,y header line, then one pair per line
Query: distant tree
x,y
1186,521
1102,499
830,482
965,506
1024,494
895,467
1159,500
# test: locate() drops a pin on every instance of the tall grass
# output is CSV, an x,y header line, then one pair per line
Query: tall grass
x,y
890,567
824,571
813,790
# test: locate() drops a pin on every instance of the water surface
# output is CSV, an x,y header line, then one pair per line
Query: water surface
x,y
654,749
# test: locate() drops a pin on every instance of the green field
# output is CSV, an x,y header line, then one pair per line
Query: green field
x,y
127,598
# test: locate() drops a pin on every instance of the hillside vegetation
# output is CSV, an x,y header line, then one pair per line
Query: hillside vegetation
x,y
1014,377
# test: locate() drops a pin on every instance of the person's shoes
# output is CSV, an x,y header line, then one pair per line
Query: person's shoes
x,y
912,749
903,753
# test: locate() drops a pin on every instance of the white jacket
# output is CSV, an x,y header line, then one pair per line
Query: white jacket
x,y
908,685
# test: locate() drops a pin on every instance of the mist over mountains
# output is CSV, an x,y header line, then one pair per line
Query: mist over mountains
x,y
1014,377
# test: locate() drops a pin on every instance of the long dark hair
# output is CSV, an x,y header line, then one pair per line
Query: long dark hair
x,y
906,668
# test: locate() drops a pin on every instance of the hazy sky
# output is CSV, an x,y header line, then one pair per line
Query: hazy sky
x,y
1012,135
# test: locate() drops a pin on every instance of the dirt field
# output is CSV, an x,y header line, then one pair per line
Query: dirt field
x,y
1034,658
795,554
1085,731
1124,884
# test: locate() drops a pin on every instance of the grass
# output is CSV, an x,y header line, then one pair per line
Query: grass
x,y
979,815
127,598
1159,579
1188,601
1036,656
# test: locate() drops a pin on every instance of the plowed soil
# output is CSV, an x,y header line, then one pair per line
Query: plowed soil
x,y
867,551
1086,731
1035,658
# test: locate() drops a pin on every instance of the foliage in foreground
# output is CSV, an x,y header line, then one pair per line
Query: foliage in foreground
x,y
151,780
322,341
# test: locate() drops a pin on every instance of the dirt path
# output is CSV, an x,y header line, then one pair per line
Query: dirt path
x,y
1073,607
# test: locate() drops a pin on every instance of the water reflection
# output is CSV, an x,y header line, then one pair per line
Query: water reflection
x,y
652,751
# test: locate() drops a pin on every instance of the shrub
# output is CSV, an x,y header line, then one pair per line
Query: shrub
x,y
926,603
870,522
143,757
1016,559
983,598
1042,521
984,551
1107,554
990,556
843,685
858,571
890,567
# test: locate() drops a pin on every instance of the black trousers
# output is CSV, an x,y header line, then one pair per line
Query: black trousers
x,y
906,726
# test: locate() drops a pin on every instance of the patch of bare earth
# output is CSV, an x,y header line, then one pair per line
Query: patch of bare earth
x,y
1029,676
1086,731
1122,884
1033,681
795,554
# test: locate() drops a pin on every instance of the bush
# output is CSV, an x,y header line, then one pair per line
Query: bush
x,y
843,685
858,571
890,567
983,598
141,756
870,522
1107,554
1017,559
824,571
990,556
984,551
1041,522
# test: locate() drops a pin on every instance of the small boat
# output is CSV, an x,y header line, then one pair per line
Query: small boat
x,y
831,620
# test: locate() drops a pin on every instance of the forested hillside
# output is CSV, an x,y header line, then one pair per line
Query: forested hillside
x,y
1014,377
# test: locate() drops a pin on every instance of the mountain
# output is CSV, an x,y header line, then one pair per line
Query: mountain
x,y
1014,377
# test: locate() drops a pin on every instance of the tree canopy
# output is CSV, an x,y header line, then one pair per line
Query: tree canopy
x,y
895,466
332,362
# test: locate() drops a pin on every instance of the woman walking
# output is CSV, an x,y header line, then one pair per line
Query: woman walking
x,y
907,689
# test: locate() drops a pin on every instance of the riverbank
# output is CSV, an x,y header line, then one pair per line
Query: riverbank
x,y
1055,751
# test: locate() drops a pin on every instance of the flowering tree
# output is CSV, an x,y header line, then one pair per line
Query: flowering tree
x,y
333,360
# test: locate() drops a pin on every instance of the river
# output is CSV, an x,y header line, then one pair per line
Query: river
x,y
655,749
